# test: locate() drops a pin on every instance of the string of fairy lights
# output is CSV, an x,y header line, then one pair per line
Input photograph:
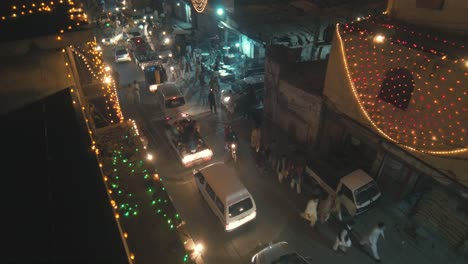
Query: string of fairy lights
x,y
199,5
412,94
122,157
101,73
20,9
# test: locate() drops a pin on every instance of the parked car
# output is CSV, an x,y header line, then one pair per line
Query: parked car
x,y
107,37
132,34
121,54
232,96
280,252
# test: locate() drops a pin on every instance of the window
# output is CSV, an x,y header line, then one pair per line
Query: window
x,y
220,205
347,192
397,87
240,207
210,192
200,177
366,193
172,103
430,4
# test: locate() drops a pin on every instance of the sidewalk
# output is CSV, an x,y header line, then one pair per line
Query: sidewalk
x,y
398,246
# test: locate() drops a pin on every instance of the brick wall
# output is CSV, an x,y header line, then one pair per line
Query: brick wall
x,y
445,214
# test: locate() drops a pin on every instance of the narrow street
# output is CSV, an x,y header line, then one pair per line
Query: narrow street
x,y
278,207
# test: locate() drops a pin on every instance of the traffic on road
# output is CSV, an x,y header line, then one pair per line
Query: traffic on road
x,y
226,190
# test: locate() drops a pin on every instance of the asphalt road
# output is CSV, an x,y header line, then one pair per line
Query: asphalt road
x,y
278,208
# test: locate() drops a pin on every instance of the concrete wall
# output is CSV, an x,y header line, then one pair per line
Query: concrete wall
x,y
339,93
451,18
299,112
291,108
31,77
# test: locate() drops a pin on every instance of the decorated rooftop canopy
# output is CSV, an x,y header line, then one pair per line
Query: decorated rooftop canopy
x,y
411,85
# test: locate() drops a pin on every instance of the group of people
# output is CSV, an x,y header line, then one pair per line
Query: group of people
x,y
319,208
131,93
343,240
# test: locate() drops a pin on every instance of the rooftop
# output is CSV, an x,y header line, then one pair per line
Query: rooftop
x,y
296,23
58,211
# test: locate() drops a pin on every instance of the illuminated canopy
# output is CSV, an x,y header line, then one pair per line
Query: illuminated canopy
x,y
409,85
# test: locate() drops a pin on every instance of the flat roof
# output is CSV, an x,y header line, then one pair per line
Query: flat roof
x,y
224,181
57,208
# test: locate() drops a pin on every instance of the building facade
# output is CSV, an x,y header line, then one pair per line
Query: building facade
x,y
394,104
395,101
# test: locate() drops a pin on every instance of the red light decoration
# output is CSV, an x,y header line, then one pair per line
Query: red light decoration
x,y
412,94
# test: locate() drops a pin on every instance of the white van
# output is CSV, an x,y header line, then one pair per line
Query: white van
x,y
170,100
226,195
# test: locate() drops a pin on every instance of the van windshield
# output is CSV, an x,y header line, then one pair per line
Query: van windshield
x,y
240,207
120,52
366,193
176,102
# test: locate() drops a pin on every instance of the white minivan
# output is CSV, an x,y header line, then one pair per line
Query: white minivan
x,y
226,195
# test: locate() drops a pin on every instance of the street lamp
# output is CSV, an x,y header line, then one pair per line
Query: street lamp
x,y
220,11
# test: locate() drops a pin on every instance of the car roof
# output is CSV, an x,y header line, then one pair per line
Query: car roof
x,y
356,179
169,89
279,252
254,79
224,181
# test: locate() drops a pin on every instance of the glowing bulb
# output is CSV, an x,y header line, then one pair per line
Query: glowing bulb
x,y
198,249
379,38
149,156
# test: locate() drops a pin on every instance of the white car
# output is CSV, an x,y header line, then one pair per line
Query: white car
x,y
121,54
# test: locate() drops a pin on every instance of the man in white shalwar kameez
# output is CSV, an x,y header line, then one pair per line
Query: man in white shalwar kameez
x,y
372,239
310,212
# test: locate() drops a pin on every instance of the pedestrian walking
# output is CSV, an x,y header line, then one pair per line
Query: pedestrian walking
x,y
197,71
325,206
260,158
290,172
372,239
296,178
136,91
281,168
188,64
255,138
202,75
343,239
212,101
310,213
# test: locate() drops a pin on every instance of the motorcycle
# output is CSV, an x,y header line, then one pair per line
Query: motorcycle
x,y
233,150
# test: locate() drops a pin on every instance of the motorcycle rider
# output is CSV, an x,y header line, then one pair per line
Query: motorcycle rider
x,y
230,137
